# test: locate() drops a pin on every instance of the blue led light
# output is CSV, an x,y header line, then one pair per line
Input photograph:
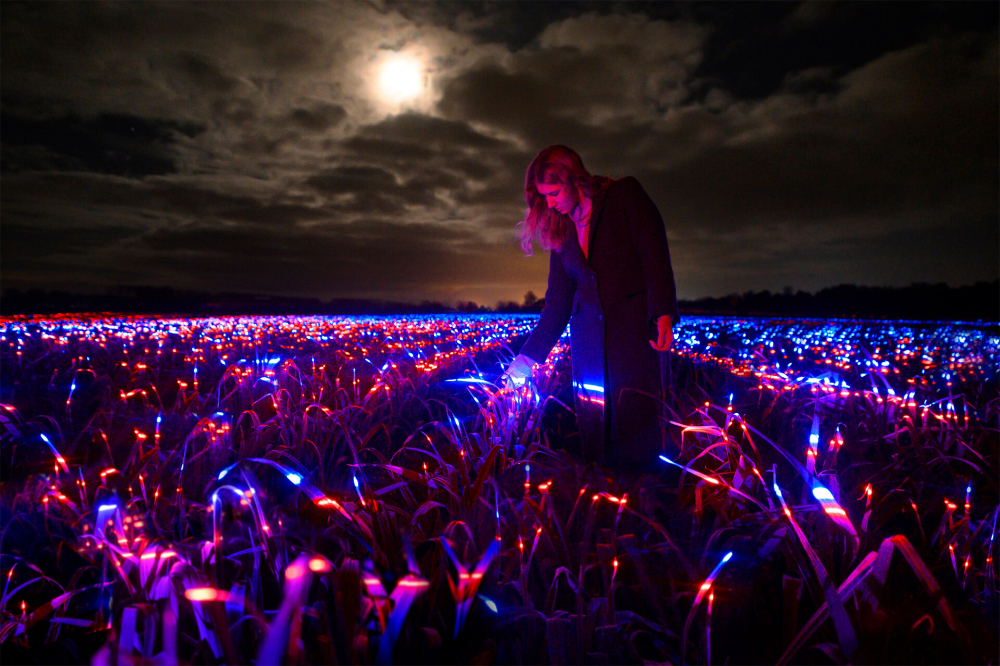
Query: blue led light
x,y
822,494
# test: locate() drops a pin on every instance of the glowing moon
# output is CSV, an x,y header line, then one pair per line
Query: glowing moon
x,y
400,78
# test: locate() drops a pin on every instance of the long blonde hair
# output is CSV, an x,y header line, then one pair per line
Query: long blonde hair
x,y
552,165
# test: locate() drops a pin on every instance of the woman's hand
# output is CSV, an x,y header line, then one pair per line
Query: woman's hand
x,y
518,372
665,334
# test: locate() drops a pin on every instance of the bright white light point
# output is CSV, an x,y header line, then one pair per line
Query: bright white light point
x,y
400,78
294,478
822,494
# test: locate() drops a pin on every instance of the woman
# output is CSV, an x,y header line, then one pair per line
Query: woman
x,y
610,279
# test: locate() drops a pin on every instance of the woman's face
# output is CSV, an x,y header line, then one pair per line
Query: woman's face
x,y
558,196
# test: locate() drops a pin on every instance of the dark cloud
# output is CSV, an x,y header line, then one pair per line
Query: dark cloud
x,y
234,111
367,258
375,190
434,133
354,179
116,144
161,200
198,72
49,242
511,100
248,147
889,145
811,83
752,46
319,118
438,154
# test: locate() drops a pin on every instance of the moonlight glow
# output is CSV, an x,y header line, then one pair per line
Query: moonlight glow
x,y
400,78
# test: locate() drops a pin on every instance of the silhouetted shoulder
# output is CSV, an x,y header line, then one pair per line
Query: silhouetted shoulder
x,y
627,186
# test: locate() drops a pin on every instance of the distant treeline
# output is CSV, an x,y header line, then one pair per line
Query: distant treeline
x,y
165,300
980,301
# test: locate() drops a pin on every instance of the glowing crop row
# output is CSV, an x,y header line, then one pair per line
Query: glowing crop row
x,y
846,354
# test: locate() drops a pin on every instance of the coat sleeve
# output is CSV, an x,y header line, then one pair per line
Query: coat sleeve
x,y
556,313
650,239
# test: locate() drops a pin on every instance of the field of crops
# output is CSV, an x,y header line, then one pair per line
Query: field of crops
x,y
358,490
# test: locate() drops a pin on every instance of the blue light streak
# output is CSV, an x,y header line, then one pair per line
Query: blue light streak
x,y
822,494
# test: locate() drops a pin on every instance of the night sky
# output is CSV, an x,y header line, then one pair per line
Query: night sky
x,y
265,148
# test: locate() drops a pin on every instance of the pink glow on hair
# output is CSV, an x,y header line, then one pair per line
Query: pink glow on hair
x,y
555,164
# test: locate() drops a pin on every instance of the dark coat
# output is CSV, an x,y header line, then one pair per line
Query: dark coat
x,y
611,301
